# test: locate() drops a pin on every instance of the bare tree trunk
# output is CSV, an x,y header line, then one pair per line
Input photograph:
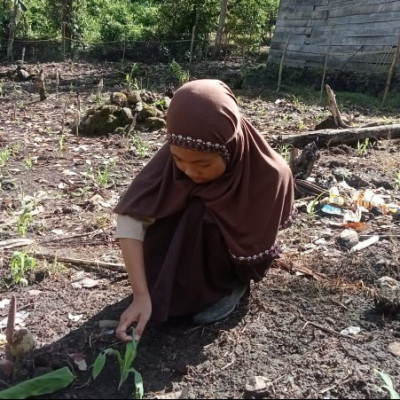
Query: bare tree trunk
x,y
11,33
221,27
41,86
194,33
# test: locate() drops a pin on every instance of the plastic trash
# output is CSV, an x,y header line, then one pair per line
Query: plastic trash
x,y
332,210
368,199
335,197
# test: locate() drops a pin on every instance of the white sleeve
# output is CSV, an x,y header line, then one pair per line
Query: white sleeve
x,y
130,228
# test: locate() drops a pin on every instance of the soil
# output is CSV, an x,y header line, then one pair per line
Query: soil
x,y
289,330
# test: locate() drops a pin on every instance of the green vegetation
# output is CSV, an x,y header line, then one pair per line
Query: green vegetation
x,y
362,147
388,384
20,265
23,221
41,385
125,364
84,23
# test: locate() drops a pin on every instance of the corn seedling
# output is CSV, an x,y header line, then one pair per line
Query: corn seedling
x,y
362,147
23,222
388,384
179,72
125,364
41,385
20,265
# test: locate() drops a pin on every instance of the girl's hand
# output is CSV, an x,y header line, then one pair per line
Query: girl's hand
x,y
139,311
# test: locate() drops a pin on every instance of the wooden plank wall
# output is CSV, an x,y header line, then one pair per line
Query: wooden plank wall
x,y
361,35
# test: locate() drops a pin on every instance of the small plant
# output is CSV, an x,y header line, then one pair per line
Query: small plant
x,y
131,81
61,143
140,148
5,156
284,150
397,180
43,384
125,365
23,222
179,72
362,147
103,175
388,384
313,204
28,162
20,265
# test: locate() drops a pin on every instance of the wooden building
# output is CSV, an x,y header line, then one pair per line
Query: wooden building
x,y
352,35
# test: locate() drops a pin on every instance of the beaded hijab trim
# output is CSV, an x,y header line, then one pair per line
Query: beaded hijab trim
x,y
272,253
198,144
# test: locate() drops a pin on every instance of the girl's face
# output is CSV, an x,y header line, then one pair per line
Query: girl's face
x,y
199,166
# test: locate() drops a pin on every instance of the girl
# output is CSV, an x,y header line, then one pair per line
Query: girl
x,y
201,219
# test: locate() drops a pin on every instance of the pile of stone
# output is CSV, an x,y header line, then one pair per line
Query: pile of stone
x,y
126,111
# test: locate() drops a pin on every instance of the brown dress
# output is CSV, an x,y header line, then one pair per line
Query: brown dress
x,y
208,238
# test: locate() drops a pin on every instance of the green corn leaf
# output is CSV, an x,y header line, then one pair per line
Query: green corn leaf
x,y
388,384
139,390
98,365
44,384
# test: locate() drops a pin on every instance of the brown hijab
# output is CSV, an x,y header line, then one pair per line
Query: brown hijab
x,y
249,202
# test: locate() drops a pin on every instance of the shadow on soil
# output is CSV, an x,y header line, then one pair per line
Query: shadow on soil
x,y
160,358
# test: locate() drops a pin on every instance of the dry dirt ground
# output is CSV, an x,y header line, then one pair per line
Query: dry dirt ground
x,y
288,331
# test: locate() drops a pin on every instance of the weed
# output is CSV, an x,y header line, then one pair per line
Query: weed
x,y
23,222
103,175
125,365
388,384
61,143
312,205
139,147
397,180
5,156
20,265
131,80
179,72
28,162
285,150
362,147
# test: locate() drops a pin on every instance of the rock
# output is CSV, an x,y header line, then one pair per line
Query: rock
x,y
148,97
134,97
386,282
348,238
257,384
6,368
126,116
118,99
394,348
154,123
105,119
387,296
147,112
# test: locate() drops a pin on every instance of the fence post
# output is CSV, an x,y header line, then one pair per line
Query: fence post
x,y
391,70
278,88
325,66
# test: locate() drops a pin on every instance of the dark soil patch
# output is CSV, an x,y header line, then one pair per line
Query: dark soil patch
x,y
289,328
